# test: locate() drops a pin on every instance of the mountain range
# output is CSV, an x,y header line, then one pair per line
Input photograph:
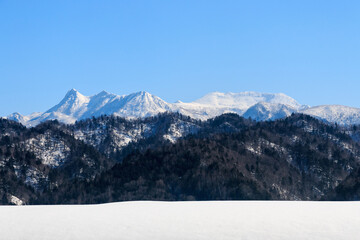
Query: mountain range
x,y
258,106
219,147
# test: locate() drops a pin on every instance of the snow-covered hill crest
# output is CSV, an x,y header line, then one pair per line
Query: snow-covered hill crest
x,y
335,113
269,111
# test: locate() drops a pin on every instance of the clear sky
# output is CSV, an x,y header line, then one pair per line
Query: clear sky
x,y
309,50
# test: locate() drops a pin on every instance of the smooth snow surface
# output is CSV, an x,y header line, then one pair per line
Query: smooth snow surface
x,y
184,220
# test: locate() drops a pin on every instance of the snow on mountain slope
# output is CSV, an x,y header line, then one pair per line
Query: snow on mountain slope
x,y
258,106
71,107
244,100
142,104
227,220
100,104
76,106
217,103
179,129
264,111
49,149
201,111
17,117
335,113
117,138
112,135
50,116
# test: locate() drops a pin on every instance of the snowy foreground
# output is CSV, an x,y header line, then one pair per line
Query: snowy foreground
x,y
183,220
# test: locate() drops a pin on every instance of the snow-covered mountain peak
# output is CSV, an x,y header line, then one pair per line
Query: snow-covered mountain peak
x,y
146,98
76,106
142,95
100,99
335,113
74,103
73,94
244,100
103,93
259,106
72,91
263,111
142,104
15,117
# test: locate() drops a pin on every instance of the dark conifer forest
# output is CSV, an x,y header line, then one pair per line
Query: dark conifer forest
x,y
173,157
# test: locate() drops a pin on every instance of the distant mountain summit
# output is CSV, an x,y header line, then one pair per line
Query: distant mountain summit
x,y
263,111
259,106
75,106
244,100
343,115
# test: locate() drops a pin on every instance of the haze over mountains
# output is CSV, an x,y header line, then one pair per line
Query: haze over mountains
x,y
255,105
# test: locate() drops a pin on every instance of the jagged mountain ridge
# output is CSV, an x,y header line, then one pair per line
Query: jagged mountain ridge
x,y
76,106
259,106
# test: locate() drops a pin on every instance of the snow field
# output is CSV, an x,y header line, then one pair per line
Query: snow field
x,y
251,220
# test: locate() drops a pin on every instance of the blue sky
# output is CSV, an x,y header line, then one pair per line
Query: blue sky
x,y
309,50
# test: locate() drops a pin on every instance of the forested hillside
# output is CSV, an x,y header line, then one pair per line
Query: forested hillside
x,y
173,157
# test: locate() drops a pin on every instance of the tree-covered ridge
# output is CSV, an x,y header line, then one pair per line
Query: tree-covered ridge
x,y
173,157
